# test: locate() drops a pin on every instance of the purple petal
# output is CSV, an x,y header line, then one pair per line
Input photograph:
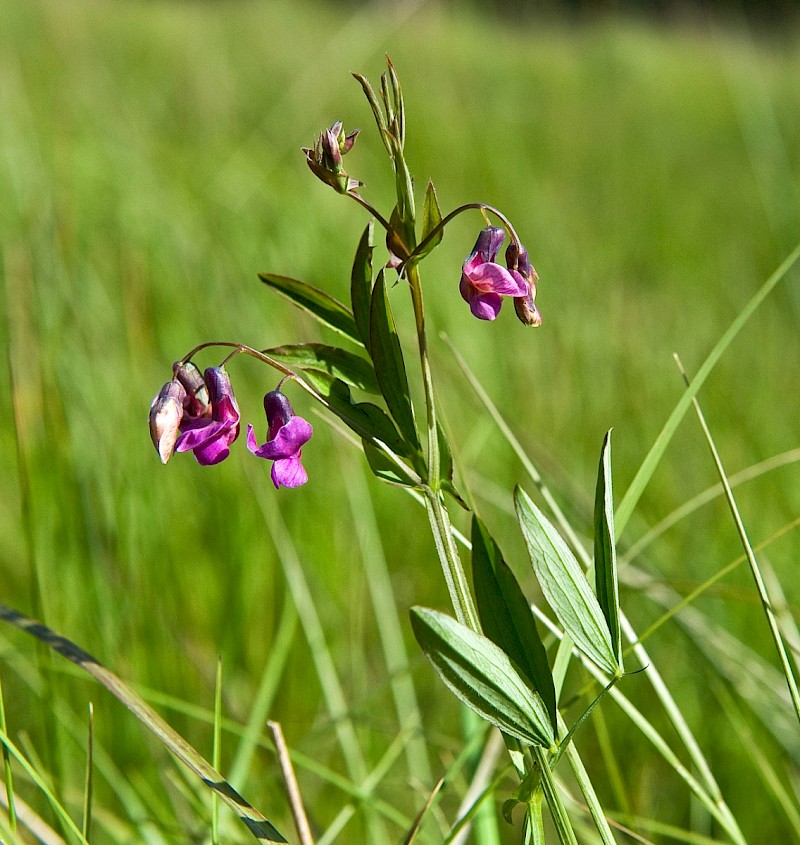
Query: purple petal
x,y
485,306
286,442
288,472
213,452
492,278
196,432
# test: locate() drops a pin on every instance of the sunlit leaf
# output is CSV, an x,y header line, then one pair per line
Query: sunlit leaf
x,y
564,585
605,554
431,218
482,676
329,311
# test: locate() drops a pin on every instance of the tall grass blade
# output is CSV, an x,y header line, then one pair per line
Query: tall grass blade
x,y
88,791
255,822
7,775
761,587
649,464
216,752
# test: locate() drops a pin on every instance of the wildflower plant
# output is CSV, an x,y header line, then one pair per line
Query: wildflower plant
x,y
489,653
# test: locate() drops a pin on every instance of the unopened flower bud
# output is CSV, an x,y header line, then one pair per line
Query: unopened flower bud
x,y
325,158
197,402
166,413
518,262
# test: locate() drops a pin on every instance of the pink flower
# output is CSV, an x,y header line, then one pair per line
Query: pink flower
x,y
519,265
484,282
210,437
286,433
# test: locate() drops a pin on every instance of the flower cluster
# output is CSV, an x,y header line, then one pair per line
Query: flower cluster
x,y
198,413
484,282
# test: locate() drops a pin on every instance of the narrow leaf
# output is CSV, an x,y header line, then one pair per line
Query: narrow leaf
x,y
605,553
361,283
387,356
339,363
365,419
329,311
431,218
506,616
482,676
376,109
384,468
564,585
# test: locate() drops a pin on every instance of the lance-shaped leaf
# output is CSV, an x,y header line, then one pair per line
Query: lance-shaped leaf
x,y
386,469
506,616
605,553
350,368
323,307
482,676
387,356
431,218
365,419
361,283
565,586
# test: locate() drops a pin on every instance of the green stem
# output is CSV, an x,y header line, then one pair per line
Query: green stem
x,y
454,575
558,811
427,378
535,820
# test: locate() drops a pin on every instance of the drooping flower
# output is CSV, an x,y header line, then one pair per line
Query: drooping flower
x,y
166,413
483,281
210,437
286,433
519,265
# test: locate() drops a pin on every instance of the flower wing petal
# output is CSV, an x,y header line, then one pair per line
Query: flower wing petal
x,y
492,278
288,472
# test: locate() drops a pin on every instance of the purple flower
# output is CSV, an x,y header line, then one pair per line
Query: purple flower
x,y
286,433
484,282
519,265
210,437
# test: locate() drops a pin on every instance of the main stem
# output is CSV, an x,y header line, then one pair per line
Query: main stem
x,y
454,575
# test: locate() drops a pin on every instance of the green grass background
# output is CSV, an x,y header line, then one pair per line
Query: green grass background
x,y
150,168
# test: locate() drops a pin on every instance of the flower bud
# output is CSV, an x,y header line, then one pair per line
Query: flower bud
x,y
518,262
197,402
166,413
325,158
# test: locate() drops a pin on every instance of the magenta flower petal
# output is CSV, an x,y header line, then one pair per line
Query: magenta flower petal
x,y
492,277
485,306
287,441
288,472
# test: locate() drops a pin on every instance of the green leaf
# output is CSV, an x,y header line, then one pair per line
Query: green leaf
x,y
384,468
431,218
325,308
506,616
482,676
394,236
565,586
350,368
366,419
387,356
605,553
361,283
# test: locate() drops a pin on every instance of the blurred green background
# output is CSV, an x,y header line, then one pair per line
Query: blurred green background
x,y
151,167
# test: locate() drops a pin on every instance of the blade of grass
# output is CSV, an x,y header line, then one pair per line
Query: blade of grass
x,y
89,782
216,750
290,782
651,460
761,586
255,822
7,775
